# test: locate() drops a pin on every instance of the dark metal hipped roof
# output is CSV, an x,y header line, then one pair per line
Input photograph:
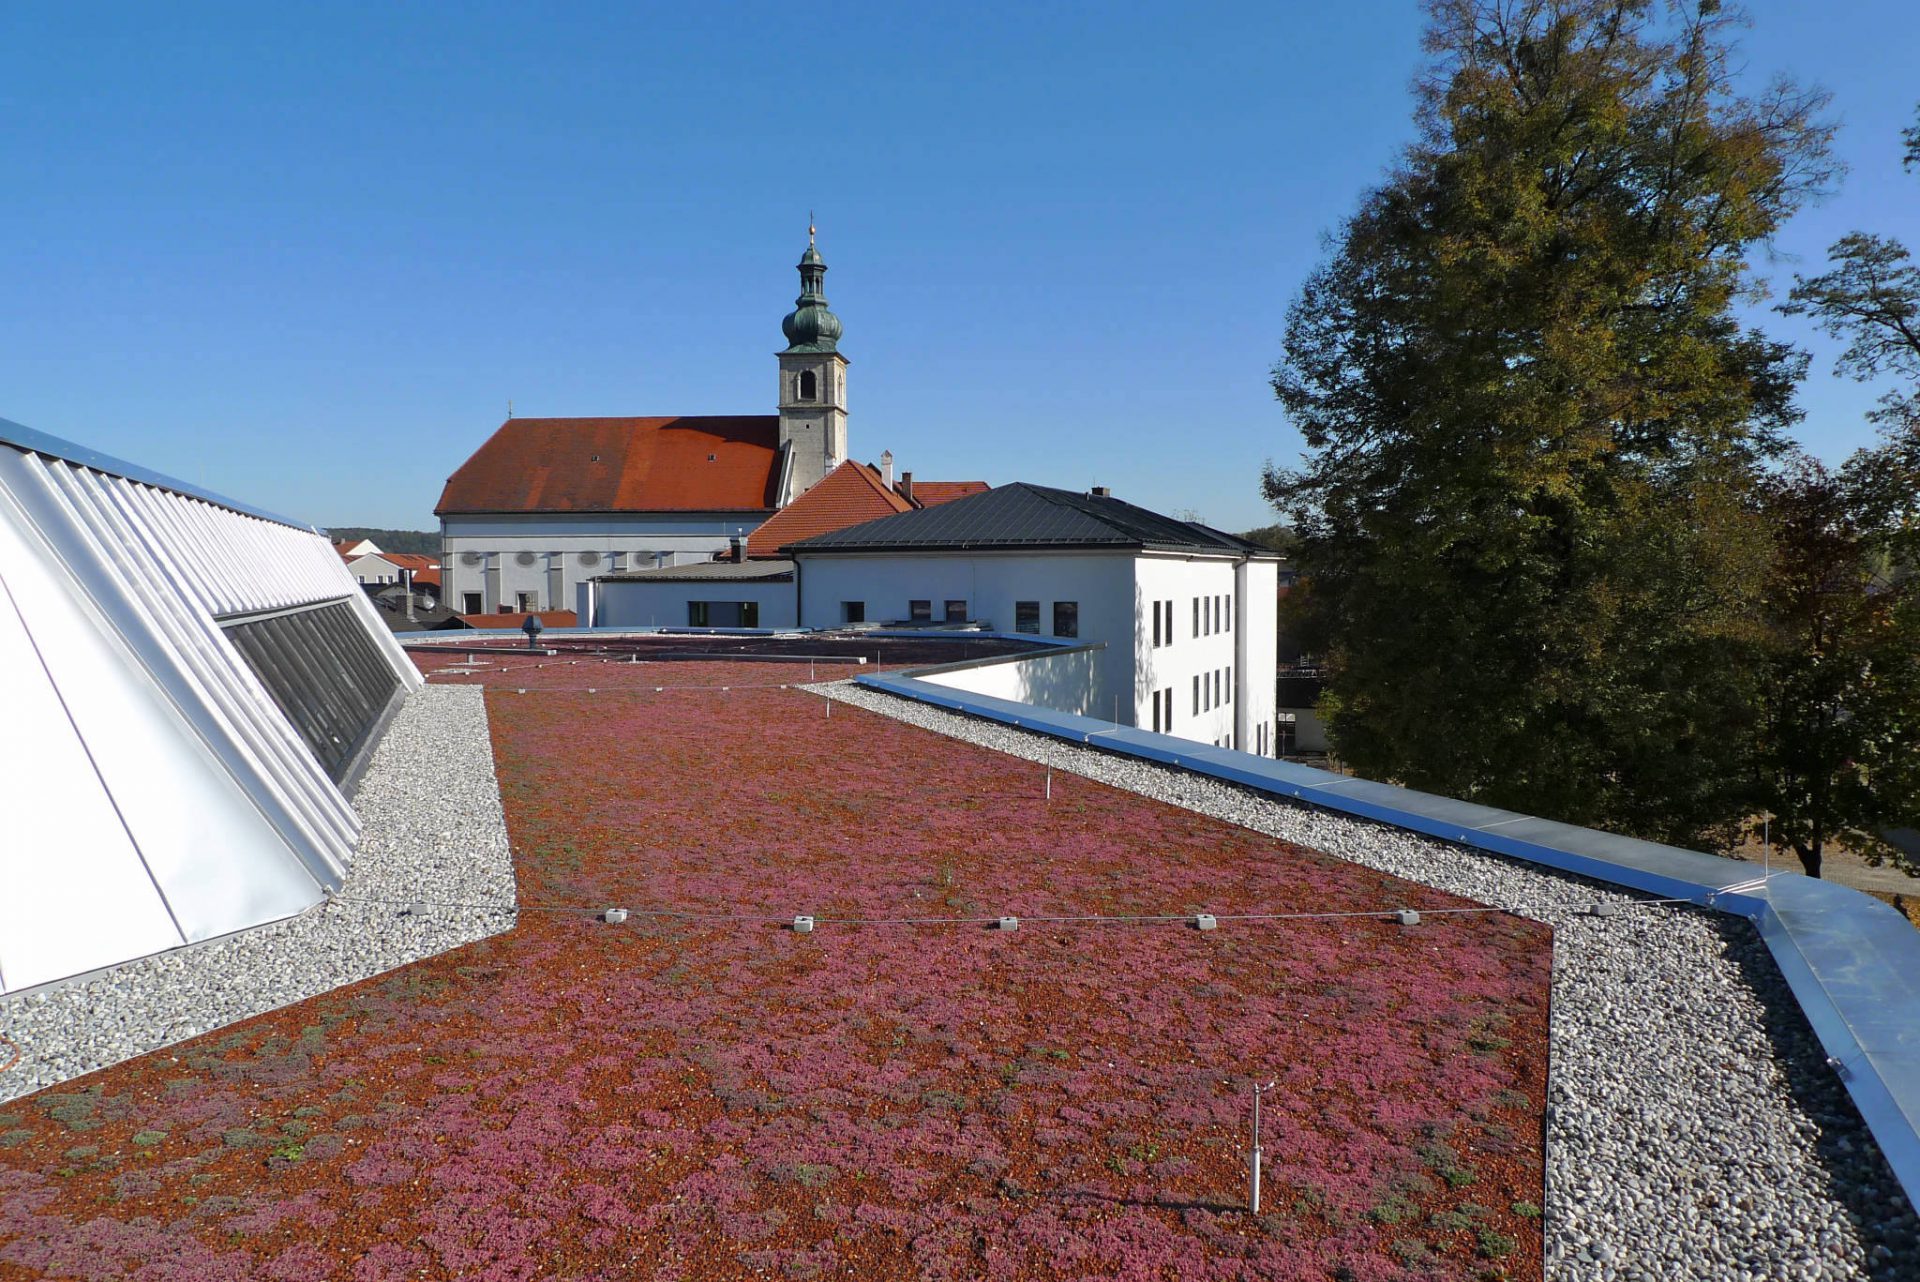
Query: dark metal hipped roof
x,y
1027,517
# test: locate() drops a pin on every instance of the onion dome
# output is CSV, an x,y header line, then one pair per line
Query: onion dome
x,y
810,327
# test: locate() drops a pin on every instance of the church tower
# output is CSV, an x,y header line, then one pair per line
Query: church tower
x,y
813,383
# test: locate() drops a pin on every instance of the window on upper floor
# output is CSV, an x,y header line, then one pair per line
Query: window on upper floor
x,y
1156,644
524,602
956,611
853,612
1196,616
809,385
1026,616
920,611
1196,696
1066,618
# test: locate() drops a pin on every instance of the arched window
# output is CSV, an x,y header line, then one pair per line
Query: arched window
x,y
808,386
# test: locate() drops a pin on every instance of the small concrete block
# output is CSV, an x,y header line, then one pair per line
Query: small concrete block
x,y
1407,917
1206,921
1604,909
803,925
1007,923
614,916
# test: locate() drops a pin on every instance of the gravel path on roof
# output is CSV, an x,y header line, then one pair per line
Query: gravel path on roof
x,y
1695,1129
432,826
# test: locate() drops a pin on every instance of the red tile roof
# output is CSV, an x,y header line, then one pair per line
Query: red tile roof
x,y
548,618
426,570
934,493
849,495
670,464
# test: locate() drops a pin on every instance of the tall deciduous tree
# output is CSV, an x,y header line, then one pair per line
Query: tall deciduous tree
x,y
1529,512
1841,758
1840,753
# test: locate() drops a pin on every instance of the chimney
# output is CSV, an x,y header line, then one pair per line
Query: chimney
x,y
1102,492
886,468
906,486
739,548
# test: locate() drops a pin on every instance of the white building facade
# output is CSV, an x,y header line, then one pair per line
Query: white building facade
x,y
1185,615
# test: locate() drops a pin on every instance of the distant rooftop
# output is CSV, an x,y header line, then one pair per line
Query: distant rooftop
x,y
1029,517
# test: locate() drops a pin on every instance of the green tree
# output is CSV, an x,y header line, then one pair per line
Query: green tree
x,y
1529,512
1276,538
1841,756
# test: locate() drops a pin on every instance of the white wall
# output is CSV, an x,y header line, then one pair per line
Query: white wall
x,y
1193,654
1101,583
559,541
373,568
1063,682
1259,662
1115,592
629,604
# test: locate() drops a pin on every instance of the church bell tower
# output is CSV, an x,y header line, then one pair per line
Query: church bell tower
x,y
813,383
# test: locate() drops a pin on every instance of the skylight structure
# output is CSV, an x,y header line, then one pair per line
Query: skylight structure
x,y
192,687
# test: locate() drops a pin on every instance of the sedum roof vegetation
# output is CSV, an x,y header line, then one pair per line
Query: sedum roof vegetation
x,y
719,1097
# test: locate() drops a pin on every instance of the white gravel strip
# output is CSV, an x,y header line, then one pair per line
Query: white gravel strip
x,y
432,827
1694,1130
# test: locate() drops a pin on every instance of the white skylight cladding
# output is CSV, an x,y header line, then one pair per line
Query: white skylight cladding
x,y
152,793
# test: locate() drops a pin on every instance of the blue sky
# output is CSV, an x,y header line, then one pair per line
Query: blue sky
x,y
305,255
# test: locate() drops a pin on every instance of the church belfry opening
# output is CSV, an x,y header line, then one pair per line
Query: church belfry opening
x,y
809,385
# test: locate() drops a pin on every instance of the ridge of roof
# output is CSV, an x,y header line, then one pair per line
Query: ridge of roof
x,y
934,493
1024,515
848,495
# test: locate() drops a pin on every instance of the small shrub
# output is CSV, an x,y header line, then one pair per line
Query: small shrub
x,y
147,1139
1493,1244
1526,1210
1411,1251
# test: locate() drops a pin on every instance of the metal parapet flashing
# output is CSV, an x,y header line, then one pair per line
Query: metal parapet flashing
x,y
1848,958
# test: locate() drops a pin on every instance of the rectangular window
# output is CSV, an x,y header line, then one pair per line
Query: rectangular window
x,y
1196,696
1066,618
1196,616
697,614
1229,614
956,611
1156,645
749,614
1216,687
1156,693
469,603
1026,616
853,612
1229,683
920,612
523,602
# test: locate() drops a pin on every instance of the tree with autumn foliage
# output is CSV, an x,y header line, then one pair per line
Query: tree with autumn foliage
x,y
1531,513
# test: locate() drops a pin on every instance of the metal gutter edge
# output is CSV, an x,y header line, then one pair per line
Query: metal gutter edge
x,y
32,441
1848,958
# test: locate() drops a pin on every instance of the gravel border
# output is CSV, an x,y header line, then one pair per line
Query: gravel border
x,y
1694,1128
430,812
